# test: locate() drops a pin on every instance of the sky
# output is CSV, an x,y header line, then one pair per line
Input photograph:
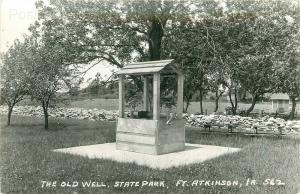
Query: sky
x,y
15,18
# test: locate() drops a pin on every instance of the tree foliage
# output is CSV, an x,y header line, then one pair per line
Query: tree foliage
x,y
14,75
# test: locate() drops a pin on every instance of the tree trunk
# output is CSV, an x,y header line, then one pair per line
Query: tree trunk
x,y
235,100
46,115
233,105
200,99
217,102
155,37
10,109
218,95
187,104
292,113
230,98
244,95
250,109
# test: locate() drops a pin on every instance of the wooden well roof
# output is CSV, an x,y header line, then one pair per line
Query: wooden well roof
x,y
149,67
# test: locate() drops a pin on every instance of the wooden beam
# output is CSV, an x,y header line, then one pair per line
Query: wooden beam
x,y
146,92
180,86
156,96
121,96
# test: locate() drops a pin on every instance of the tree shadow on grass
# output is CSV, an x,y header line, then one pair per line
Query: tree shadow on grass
x,y
231,140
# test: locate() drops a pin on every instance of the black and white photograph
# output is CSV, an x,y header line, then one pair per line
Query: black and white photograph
x,y
149,96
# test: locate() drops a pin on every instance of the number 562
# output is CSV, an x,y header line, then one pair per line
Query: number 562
x,y
273,182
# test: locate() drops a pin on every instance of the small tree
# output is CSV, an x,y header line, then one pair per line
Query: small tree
x,y
14,76
44,85
51,64
47,76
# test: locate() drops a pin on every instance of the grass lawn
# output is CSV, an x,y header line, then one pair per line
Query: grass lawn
x,y
209,106
99,103
26,160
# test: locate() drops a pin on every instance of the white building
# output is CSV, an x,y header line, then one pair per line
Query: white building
x,y
281,103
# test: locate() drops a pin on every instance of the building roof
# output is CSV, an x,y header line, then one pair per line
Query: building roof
x,y
280,96
149,67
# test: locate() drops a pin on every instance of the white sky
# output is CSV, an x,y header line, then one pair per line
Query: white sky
x,y
15,18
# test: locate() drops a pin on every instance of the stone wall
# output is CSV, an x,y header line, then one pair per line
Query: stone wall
x,y
243,124
75,113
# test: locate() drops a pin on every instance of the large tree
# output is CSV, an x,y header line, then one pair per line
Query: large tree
x,y
116,31
120,31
